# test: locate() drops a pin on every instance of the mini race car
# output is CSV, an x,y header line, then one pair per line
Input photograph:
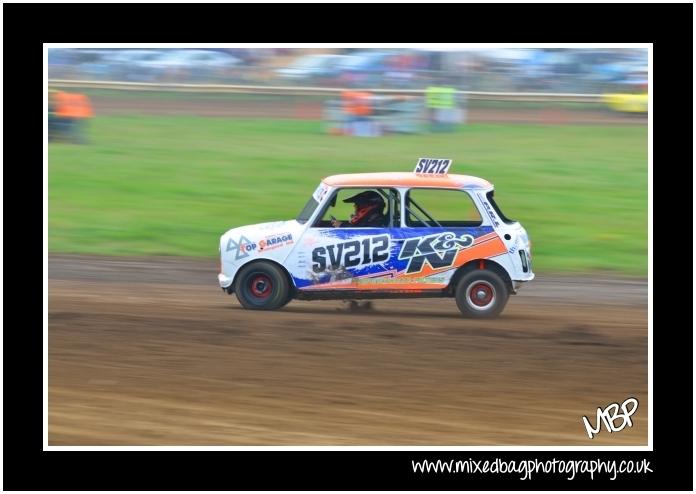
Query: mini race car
x,y
429,234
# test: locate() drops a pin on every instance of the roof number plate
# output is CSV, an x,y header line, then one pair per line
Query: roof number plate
x,y
432,166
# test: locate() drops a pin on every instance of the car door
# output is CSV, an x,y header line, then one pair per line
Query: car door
x,y
442,230
346,257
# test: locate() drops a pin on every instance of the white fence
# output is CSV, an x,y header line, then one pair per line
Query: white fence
x,y
305,91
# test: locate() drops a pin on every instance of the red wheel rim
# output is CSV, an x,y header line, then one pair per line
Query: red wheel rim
x,y
261,286
481,294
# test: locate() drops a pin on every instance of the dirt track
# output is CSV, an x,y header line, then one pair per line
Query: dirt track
x,y
303,109
151,352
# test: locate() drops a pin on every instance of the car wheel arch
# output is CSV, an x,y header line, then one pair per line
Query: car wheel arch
x,y
291,280
475,264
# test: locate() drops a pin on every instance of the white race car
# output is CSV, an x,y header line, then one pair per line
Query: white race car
x,y
421,234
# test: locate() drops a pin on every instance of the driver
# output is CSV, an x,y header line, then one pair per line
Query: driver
x,y
369,211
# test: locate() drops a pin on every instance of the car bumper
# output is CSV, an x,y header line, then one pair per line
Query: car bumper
x,y
517,284
224,281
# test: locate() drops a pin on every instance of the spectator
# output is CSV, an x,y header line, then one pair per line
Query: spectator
x,y
53,121
72,111
442,108
358,106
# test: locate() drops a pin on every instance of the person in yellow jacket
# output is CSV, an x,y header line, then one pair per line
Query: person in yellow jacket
x,y
441,102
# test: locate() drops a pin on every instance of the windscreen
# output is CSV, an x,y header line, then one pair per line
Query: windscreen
x,y
307,211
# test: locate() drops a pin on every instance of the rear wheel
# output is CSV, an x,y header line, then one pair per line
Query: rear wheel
x,y
262,286
481,294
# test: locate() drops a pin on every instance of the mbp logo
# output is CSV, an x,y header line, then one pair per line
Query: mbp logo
x,y
439,250
609,416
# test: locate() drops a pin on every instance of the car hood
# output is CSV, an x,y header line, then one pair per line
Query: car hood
x,y
257,236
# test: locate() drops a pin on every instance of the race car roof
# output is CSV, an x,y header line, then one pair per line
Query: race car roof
x,y
405,179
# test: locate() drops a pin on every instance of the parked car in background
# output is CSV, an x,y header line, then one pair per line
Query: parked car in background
x,y
312,68
362,68
90,64
191,65
131,65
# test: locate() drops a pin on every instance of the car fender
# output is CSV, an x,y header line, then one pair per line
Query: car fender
x,y
274,241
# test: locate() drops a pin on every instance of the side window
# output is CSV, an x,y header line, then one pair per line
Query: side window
x,y
376,208
441,207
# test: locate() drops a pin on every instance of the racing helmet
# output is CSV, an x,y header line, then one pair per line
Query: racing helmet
x,y
367,198
366,202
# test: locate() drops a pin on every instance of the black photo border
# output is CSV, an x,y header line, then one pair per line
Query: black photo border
x,y
27,26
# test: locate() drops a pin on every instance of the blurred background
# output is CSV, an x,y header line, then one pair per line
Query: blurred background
x,y
154,153
542,70
176,146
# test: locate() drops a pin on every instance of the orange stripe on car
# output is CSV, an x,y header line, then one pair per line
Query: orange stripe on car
x,y
404,179
485,249
378,286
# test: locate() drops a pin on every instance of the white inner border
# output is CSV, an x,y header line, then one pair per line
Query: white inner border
x,y
468,46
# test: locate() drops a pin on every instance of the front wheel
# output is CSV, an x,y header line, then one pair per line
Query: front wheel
x,y
262,286
481,294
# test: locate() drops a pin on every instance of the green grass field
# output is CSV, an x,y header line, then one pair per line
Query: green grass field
x,y
173,185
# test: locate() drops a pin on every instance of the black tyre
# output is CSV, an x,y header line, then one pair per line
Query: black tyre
x,y
481,294
262,286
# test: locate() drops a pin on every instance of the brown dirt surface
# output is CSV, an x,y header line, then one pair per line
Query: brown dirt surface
x,y
149,351
312,110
